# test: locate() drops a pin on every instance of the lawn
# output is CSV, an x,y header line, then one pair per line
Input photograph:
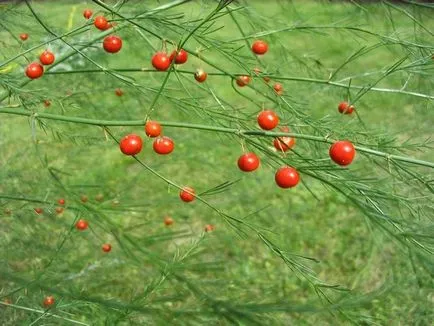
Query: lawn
x,y
346,246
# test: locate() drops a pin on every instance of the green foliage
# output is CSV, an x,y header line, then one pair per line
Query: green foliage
x,y
347,245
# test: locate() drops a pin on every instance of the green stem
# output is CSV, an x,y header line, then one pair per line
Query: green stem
x,y
204,21
287,78
131,20
42,44
103,123
319,27
43,313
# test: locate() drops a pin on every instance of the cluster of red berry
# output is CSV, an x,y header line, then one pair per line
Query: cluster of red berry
x,y
132,145
345,108
162,61
259,47
341,152
111,44
286,176
59,209
35,69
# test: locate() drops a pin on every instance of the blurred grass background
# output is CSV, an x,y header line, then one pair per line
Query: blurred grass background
x,y
70,160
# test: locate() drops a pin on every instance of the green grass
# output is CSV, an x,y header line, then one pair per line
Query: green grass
x,y
225,276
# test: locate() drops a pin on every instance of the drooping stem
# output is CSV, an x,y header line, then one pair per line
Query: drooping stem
x,y
261,133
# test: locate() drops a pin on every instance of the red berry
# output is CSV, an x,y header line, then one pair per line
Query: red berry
x,y
268,120
278,88
342,107
24,36
209,228
87,13
112,44
287,177
131,144
106,247
180,57
47,103
284,143
243,81
187,194
59,210
119,92
163,145
81,225
168,221
248,162
61,201
259,47
39,210
48,301
342,152
34,70
345,108
46,57
83,198
161,61
152,129
101,23
200,75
